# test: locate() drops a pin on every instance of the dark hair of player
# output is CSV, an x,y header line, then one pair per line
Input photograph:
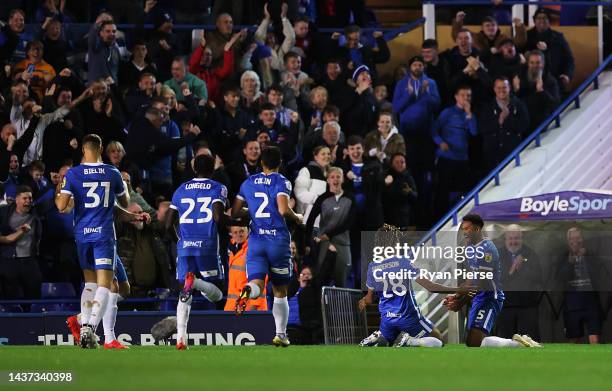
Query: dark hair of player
x,y
474,219
92,141
22,189
204,166
271,157
387,236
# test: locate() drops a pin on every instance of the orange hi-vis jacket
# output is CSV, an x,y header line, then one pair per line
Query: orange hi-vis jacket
x,y
238,279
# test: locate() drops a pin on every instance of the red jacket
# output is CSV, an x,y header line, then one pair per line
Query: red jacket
x,y
212,76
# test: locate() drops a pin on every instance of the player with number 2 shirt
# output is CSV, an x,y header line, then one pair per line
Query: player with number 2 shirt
x,y
267,196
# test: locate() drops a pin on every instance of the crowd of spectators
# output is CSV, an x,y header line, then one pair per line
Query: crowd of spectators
x,y
360,152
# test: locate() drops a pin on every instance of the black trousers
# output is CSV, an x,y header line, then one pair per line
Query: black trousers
x,y
20,278
420,153
518,320
452,181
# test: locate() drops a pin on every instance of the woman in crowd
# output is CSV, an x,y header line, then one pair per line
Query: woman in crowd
x,y
386,140
115,155
251,96
310,182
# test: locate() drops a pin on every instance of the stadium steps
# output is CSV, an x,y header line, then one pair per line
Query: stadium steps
x,y
394,13
575,156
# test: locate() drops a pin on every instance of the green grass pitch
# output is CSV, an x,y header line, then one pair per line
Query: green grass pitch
x,y
454,367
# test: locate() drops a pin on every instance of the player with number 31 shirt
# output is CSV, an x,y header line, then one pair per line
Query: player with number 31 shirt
x,y
93,187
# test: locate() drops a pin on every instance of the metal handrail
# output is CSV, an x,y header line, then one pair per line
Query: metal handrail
x,y
403,29
515,154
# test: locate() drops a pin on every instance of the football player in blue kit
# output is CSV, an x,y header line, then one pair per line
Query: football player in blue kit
x,y
198,208
267,196
91,188
120,289
482,256
402,323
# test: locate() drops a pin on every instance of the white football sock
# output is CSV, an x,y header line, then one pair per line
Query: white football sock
x,y
280,311
209,290
110,317
426,342
255,291
98,308
87,296
497,342
182,317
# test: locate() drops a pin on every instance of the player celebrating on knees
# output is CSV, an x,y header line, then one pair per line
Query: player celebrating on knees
x,y
93,187
267,196
401,321
198,207
487,303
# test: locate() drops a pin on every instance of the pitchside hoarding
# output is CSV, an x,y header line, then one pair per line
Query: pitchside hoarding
x,y
134,328
565,205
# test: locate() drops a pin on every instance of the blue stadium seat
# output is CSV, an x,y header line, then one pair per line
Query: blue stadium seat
x,y
57,290
162,293
46,307
10,308
71,307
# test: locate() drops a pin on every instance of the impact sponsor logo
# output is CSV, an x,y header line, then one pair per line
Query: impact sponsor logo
x,y
266,231
92,230
574,204
192,243
193,339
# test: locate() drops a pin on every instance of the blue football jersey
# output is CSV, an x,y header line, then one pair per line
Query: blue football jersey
x,y
485,258
391,279
193,200
259,191
94,187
